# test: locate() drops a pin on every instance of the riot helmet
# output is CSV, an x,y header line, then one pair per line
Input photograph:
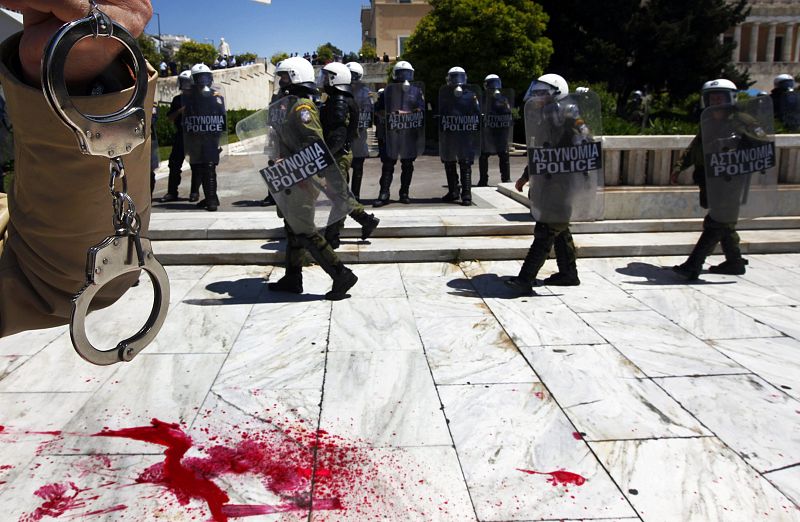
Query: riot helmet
x,y
185,80
548,88
356,71
296,74
719,92
403,72
334,77
784,81
202,75
492,83
456,77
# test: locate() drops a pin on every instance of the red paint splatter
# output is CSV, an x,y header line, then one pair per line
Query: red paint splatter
x,y
114,509
2,429
559,477
58,499
6,466
539,395
577,436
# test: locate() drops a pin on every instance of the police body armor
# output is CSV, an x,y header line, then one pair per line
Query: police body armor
x,y
286,146
459,123
404,104
739,157
498,121
205,124
788,110
565,158
360,145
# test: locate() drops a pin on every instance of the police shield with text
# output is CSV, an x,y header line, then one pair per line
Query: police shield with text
x,y
498,128
287,146
402,108
205,125
459,133
734,161
786,102
565,172
360,145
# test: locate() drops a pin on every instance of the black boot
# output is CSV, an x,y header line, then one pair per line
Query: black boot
x,y
358,174
505,167
323,254
368,223
406,173
333,234
197,180
543,238
483,169
466,183
451,172
292,283
734,263
387,173
565,258
691,268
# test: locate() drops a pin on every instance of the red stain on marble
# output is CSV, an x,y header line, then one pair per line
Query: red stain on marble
x,y
58,500
559,477
539,395
577,436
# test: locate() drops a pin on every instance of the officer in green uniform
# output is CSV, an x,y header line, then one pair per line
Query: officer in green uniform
x,y
716,92
339,116
300,129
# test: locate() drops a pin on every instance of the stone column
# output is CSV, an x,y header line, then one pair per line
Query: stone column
x,y
797,51
788,38
770,57
737,40
753,56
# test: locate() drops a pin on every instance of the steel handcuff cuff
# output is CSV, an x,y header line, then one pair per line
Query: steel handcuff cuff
x,y
113,136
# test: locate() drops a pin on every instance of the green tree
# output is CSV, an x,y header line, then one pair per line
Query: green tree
x,y
660,45
368,52
148,49
482,36
191,53
278,57
246,57
327,51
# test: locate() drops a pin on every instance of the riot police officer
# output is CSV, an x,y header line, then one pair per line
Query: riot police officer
x,y
498,126
786,101
205,124
177,154
563,128
339,116
719,100
459,134
360,154
300,128
402,108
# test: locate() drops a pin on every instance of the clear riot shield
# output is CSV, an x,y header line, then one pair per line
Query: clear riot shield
x,y
459,123
360,146
205,124
498,120
565,158
788,110
285,145
405,120
740,161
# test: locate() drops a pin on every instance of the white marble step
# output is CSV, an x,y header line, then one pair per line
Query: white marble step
x,y
420,222
450,248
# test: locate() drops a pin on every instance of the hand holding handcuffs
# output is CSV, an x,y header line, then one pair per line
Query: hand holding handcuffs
x,y
113,136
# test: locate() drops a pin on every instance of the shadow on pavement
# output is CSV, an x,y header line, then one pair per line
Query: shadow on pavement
x,y
488,286
660,275
519,217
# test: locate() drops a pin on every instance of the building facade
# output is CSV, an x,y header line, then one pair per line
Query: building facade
x,y
768,41
387,24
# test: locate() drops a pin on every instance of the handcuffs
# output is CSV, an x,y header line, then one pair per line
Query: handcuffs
x,y
113,136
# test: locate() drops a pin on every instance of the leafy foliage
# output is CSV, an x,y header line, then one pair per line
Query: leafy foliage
x,y
148,49
246,57
327,51
191,53
482,36
368,52
278,57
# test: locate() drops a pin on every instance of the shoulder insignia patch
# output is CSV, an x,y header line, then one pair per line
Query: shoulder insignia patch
x,y
305,115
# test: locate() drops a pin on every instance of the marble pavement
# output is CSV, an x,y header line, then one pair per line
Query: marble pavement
x,y
432,394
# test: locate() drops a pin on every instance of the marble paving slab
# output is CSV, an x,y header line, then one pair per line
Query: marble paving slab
x,y
280,346
191,272
466,350
765,430
502,431
658,346
788,261
170,388
451,304
688,480
606,397
434,269
703,316
541,320
743,293
381,280
788,482
781,318
30,342
382,398
596,294
774,359
377,324
9,363
780,280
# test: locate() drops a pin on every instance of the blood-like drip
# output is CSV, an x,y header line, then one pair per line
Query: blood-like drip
x,y
558,477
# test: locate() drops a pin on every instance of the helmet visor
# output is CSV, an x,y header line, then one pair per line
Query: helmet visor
x,y
720,97
324,78
284,80
539,89
494,83
203,79
403,75
785,84
457,78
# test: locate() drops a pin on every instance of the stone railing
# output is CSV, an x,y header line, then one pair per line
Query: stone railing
x,y
648,160
246,87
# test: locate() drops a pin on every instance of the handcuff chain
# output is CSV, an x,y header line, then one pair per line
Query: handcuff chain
x,y
125,218
101,24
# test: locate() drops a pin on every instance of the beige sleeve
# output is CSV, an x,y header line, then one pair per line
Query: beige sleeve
x,y
59,204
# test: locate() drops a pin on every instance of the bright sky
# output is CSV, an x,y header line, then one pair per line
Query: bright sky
x,y
284,25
